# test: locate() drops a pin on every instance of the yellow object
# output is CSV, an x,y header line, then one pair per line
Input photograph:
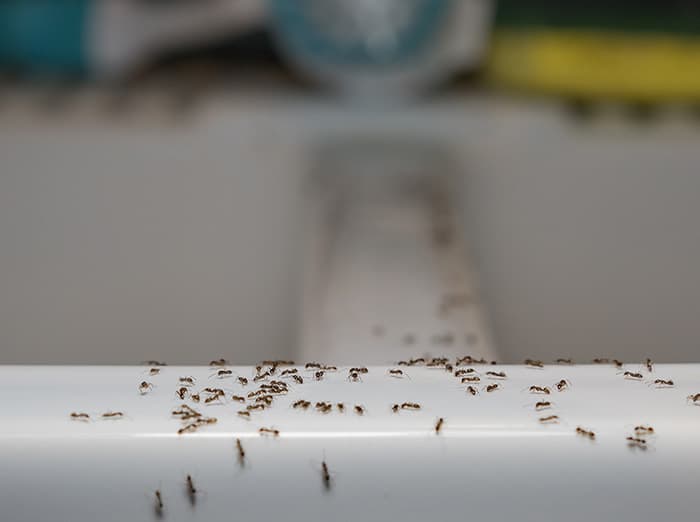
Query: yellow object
x,y
598,64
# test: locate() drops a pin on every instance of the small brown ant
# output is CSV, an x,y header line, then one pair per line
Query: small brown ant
x,y
113,415
585,433
301,404
464,371
265,399
319,375
145,387
664,383
360,410
395,408
159,503
241,452
188,428
243,381
533,363
329,368
496,375
191,490
278,363
269,431
262,376
438,425
289,371
695,399
341,407
601,361
195,397
633,376
539,389
542,405
224,373
354,377
325,475
492,387
410,406
643,430
549,419
80,416
473,378
243,413
219,362
237,398
636,442
395,372
298,378
154,371
473,391
649,365
359,370
324,407
187,381
311,365
564,361
182,392
562,385
418,360
253,407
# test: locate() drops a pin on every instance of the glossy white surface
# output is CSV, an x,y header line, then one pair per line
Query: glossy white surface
x,y
492,461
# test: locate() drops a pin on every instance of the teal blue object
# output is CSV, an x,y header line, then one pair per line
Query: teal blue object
x,y
300,31
44,36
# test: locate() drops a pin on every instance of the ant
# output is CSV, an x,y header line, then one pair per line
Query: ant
x,y
224,373
325,475
474,378
360,410
395,408
359,370
219,362
262,376
418,360
539,389
154,363
298,378
354,376
473,391
113,415
565,361
237,398
145,387
241,452
253,407
562,385
278,363
491,388
533,363
195,397
585,433
695,399
549,419
464,371
649,365
159,503
329,368
311,365
191,490
301,404
319,375
497,375
188,428
266,399
438,425
643,430
256,393
80,416
601,361
243,413
154,371
410,406
617,363
187,381
208,420
243,381
269,431
185,412
289,371
636,442
664,383
215,391
542,405
341,407
396,373
182,393
324,407
633,376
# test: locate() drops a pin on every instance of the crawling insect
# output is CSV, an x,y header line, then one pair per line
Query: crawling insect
x,y
664,383
145,387
269,431
417,360
497,375
301,404
395,408
113,415
471,378
359,370
649,365
191,490
187,381
633,376
565,361
324,407
188,428
224,373
80,416
195,397
182,393
694,398
562,385
354,377
585,433
311,365
643,430
325,475
492,388
395,372
237,398
243,413
636,442
550,419
618,364
154,371
533,363
207,420
253,407
243,381
241,452
539,389
219,362
289,371
542,405
298,378
262,376
265,399
319,375
410,406
278,363
360,410
473,391
159,503
601,360
329,368
341,407
438,425
185,412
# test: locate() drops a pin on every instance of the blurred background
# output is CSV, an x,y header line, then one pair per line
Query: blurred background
x,y
348,180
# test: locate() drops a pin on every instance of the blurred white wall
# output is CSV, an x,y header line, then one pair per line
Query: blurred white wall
x,y
127,241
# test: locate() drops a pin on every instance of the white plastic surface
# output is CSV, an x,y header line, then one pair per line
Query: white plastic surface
x,y
492,460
